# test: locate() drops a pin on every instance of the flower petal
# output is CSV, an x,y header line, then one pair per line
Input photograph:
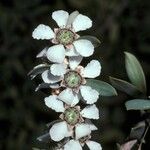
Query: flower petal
x,y
60,17
75,100
90,95
43,32
74,61
42,53
49,78
92,70
82,22
72,145
92,126
53,103
82,130
90,112
84,47
58,69
71,51
93,145
67,96
56,53
59,131
71,18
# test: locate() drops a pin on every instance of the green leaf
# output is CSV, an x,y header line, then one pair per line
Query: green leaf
x,y
95,41
125,86
102,87
138,104
135,72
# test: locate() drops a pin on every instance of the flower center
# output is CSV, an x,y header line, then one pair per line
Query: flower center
x,y
72,79
65,36
72,116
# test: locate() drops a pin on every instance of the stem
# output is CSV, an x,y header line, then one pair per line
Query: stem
x,y
142,140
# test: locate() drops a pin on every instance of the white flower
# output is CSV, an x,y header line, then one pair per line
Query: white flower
x,y
65,36
71,117
74,79
76,145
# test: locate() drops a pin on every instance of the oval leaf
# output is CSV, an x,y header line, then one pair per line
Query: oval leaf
x,y
138,104
102,87
95,41
47,86
125,86
138,131
135,72
38,70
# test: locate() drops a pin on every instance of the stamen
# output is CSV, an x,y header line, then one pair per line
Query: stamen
x,y
72,116
65,36
72,79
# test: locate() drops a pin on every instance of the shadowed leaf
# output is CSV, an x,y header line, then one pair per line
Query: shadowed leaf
x,y
135,72
125,86
138,104
138,131
128,145
102,87
44,138
46,86
38,70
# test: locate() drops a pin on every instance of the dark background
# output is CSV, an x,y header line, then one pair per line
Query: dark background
x,y
121,25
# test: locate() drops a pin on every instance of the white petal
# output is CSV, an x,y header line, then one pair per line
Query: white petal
x,y
58,69
71,18
75,100
71,51
81,23
90,95
93,145
42,53
60,17
43,32
74,61
92,126
90,112
59,131
92,70
67,96
56,53
55,86
84,47
53,103
72,145
49,78
82,130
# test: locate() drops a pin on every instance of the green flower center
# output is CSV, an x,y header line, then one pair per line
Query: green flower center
x,y
72,79
65,36
72,116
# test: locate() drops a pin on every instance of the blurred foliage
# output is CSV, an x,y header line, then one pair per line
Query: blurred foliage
x,y
121,25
